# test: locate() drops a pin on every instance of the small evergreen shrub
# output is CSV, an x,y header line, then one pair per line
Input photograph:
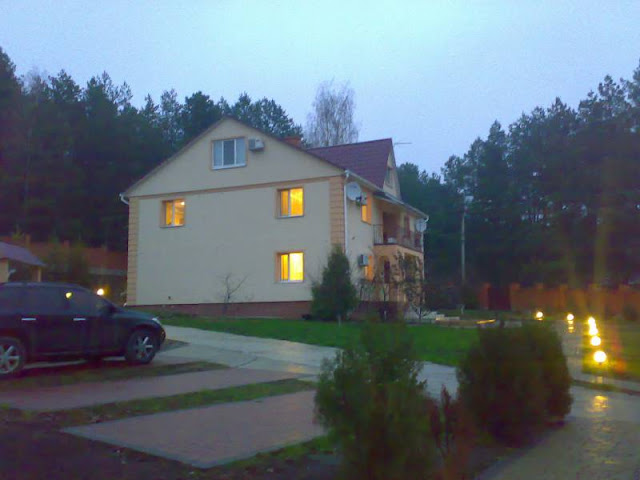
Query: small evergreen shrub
x,y
375,409
514,380
335,296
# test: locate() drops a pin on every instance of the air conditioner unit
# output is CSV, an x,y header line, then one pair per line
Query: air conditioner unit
x,y
363,260
256,144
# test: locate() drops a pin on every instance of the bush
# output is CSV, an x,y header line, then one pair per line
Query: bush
x,y
335,296
514,380
375,409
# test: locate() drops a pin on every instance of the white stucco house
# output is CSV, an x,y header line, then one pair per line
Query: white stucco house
x,y
239,206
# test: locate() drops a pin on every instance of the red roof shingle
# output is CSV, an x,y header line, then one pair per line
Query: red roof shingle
x,y
366,159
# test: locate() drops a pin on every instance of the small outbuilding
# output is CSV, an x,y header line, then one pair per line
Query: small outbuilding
x,y
14,259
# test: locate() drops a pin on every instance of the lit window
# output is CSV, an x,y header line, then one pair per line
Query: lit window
x,y
368,269
229,153
291,202
365,210
291,267
173,212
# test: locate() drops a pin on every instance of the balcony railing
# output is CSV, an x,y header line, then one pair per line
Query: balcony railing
x,y
394,235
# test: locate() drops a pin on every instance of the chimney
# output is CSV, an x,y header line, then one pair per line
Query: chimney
x,y
295,140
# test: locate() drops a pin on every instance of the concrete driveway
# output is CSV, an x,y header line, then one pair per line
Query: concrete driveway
x,y
279,355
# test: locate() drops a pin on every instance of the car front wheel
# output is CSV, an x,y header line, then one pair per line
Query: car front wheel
x,y
141,347
12,357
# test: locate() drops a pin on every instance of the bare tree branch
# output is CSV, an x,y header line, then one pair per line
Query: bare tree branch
x,y
331,122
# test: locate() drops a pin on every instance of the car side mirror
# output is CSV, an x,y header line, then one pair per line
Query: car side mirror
x,y
107,310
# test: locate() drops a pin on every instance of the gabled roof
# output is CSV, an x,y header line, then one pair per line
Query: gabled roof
x,y
366,159
203,134
18,254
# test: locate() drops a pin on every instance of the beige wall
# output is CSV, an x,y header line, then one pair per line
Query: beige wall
x,y
230,232
394,186
192,169
360,234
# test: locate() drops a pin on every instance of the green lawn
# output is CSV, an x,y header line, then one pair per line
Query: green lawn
x,y
621,343
434,343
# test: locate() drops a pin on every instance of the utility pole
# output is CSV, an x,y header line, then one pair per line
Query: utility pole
x,y
462,247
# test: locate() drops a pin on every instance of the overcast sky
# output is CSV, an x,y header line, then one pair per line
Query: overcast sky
x,y
435,74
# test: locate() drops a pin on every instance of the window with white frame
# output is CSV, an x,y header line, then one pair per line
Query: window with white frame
x,y
229,153
291,202
291,267
173,212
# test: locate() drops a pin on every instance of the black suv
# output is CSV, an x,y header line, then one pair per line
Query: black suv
x,y
54,321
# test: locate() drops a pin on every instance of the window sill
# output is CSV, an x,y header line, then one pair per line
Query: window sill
x,y
226,167
289,216
171,226
290,282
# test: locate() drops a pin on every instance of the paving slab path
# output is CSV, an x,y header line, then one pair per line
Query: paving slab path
x,y
96,393
600,440
209,436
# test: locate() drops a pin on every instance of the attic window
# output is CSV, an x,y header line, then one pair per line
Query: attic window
x,y
387,178
229,153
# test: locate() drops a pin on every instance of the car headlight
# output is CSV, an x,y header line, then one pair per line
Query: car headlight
x,y
157,320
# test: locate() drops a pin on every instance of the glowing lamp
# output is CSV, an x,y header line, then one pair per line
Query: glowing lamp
x,y
570,317
595,341
68,295
539,315
600,357
591,321
593,331
100,291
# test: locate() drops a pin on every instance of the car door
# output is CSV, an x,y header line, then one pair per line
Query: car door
x,y
54,329
100,322
10,309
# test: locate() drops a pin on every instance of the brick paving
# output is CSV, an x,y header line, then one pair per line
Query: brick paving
x,y
209,436
96,393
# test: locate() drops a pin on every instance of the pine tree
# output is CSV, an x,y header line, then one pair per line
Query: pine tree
x,y
335,296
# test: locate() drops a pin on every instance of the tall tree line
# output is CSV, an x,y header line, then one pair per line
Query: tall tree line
x,y
555,198
67,151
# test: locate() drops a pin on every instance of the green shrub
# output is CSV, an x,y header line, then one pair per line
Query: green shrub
x,y
514,380
375,409
335,296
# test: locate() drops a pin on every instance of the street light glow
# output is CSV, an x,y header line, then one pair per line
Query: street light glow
x,y
593,331
539,315
570,317
100,291
591,321
595,341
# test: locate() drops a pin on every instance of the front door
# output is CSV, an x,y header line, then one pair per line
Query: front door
x,y
54,329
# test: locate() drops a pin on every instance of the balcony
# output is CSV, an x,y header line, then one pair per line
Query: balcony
x,y
394,235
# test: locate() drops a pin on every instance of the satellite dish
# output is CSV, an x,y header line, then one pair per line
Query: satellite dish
x,y
353,191
421,224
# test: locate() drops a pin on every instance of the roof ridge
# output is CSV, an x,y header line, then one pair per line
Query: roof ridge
x,y
350,144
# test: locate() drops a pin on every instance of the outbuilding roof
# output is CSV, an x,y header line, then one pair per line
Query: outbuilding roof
x,y
18,254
